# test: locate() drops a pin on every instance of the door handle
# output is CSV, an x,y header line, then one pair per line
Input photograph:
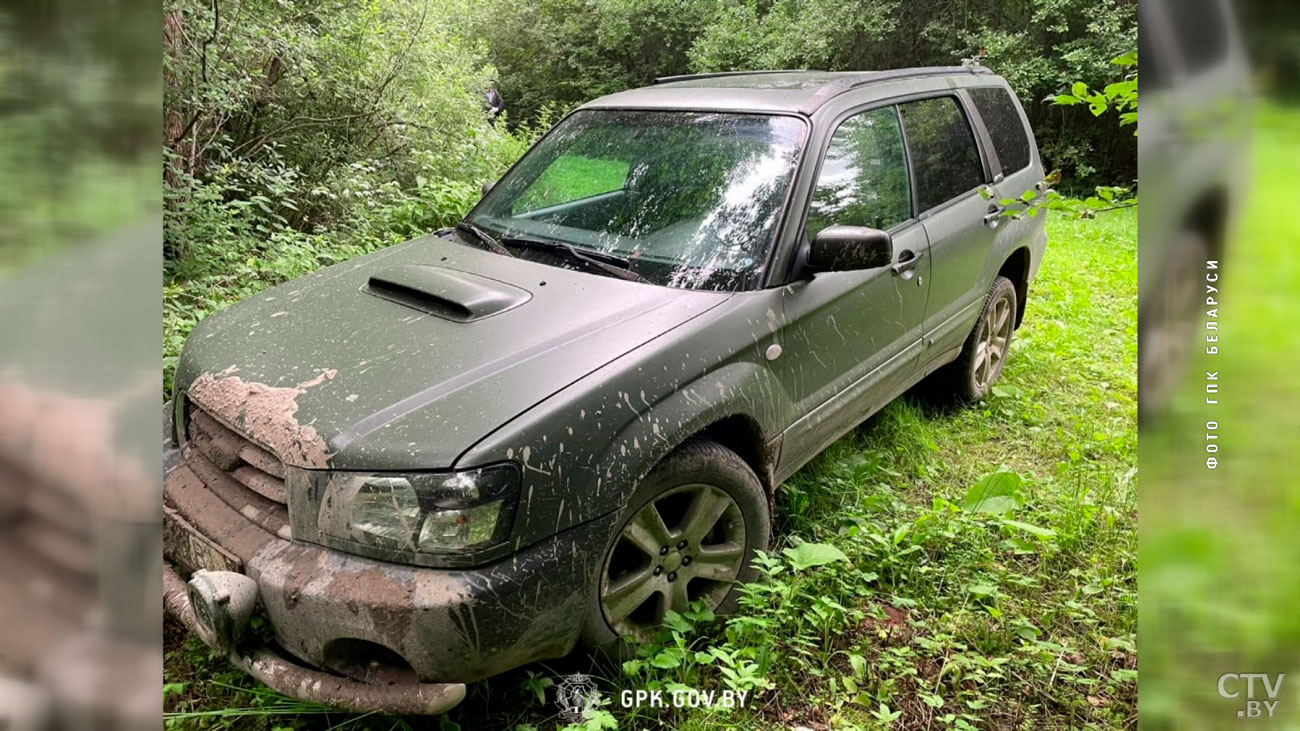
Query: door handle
x,y
907,263
993,218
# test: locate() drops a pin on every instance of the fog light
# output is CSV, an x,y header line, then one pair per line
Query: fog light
x,y
223,602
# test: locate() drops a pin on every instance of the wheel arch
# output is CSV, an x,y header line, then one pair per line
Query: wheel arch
x,y
741,434
732,406
1016,267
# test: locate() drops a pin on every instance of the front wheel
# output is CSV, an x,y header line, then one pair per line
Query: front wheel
x,y
688,535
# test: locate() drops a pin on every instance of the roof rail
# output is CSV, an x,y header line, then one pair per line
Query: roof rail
x,y
873,77
719,74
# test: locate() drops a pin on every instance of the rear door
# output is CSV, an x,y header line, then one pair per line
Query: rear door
x,y
1011,154
949,173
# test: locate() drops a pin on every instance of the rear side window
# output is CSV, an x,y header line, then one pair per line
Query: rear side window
x,y
1000,116
863,179
944,156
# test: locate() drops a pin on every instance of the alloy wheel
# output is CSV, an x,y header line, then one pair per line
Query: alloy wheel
x,y
991,352
685,545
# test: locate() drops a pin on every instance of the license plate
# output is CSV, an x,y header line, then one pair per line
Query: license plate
x,y
184,545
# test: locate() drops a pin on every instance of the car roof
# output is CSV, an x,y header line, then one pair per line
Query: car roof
x,y
801,91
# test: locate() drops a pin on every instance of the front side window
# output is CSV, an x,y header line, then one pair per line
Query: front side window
x,y
863,179
1002,120
686,199
944,155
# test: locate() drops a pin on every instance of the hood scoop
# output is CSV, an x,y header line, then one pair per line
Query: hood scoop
x,y
446,293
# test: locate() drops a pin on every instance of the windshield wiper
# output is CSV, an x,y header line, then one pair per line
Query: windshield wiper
x,y
610,264
483,237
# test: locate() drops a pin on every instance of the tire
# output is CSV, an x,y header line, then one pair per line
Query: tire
x,y
699,478
966,379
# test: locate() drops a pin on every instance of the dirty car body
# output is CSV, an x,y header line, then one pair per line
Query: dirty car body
x,y
418,456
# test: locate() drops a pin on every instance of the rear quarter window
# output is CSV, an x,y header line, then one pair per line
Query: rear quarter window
x,y
1002,119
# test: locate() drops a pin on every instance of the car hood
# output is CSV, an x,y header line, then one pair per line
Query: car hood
x,y
404,358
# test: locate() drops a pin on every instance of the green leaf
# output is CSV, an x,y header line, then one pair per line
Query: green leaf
x,y
1079,89
996,494
677,622
807,555
1039,531
859,665
668,658
1128,59
700,616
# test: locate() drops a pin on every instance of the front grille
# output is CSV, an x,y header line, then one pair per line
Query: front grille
x,y
245,462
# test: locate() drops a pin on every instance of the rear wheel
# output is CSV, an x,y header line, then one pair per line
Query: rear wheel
x,y
689,535
977,368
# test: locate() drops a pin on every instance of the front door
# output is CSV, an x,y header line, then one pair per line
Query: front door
x,y
852,338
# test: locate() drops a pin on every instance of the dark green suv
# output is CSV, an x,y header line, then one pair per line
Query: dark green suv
x,y
568,415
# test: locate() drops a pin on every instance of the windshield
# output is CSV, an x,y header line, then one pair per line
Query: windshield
x,y
687,199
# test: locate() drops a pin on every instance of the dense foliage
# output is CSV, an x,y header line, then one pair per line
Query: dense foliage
x,y
562,52
301,134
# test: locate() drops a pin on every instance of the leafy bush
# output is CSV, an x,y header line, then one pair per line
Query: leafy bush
x,y
301,136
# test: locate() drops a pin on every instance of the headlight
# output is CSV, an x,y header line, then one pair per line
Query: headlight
x,y
430,513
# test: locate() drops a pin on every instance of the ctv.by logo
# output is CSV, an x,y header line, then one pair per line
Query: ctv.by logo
x,y
1231,685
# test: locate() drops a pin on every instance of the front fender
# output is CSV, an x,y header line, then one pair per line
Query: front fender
x,y
584,449
741,389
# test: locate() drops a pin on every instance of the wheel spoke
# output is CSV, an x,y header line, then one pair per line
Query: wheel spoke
x,y
647,531
706,508
724,553
1004,313
981,357
719,563
624,596
681,599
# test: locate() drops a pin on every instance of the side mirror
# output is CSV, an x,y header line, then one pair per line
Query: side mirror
x,y
488,186
848,248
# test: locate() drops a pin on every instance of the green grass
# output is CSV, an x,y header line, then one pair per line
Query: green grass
x,y
942,612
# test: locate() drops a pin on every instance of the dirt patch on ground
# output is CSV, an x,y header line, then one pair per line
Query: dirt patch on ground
x,y
265,414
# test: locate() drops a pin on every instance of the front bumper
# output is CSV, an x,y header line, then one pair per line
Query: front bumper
x,y
346,615
285,677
